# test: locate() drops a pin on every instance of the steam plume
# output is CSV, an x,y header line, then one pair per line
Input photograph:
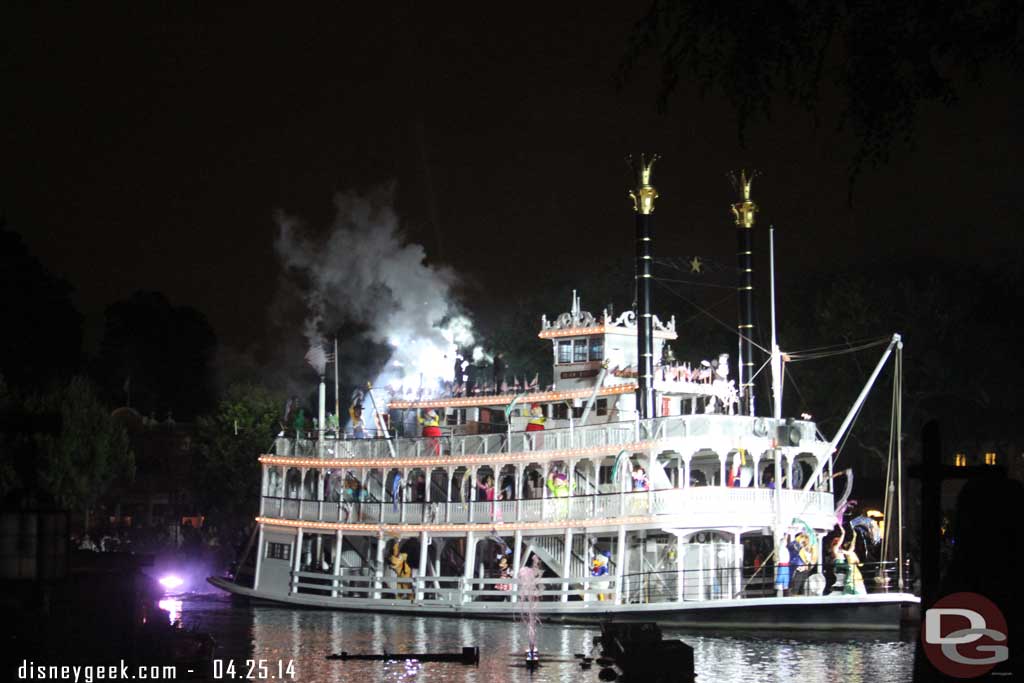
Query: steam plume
x,y
366,272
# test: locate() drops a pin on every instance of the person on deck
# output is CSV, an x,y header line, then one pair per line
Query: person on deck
x,y
537,419
400,564
782,571
431,424
355,413
854,579
640,481
799,557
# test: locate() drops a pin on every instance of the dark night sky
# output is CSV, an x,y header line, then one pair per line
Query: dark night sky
x,y
148,147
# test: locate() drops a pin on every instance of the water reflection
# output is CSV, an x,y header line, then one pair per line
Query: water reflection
x,y
307,636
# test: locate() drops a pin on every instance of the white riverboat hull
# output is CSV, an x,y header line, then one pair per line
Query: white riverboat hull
x,y
873,612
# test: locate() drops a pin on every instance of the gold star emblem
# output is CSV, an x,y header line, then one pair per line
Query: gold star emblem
x,y
696,265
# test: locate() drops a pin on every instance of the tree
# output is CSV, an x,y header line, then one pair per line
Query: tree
x,y
75,465
884,59
229,442
958,361
42,335
161,354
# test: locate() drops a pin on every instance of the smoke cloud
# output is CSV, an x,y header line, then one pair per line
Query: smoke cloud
x,y
365,275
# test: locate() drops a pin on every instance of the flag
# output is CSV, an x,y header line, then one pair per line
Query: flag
x,y
536,381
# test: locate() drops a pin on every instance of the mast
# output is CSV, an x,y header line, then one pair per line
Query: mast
x,y
899,463
643,197
776,354
744,212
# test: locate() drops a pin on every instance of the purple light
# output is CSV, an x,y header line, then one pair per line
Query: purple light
x,y
170,582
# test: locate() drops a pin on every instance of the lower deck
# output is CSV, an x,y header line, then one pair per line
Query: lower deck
x,y
721,578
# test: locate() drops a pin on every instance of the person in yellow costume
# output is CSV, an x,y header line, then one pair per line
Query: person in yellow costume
x,y
400,564
536,423
431,424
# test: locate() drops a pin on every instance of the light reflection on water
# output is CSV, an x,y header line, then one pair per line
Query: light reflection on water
x,y
307,636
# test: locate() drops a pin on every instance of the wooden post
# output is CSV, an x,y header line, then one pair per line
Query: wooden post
x,y
296,562
421,584
338,538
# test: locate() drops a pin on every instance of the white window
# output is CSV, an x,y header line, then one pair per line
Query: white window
x,y
564,350
579,350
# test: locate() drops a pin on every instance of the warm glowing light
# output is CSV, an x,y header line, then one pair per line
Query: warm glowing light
x,y
960,460
599,329
505,399
170,581
990,458
466,459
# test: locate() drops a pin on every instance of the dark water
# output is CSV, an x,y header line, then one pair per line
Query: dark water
x,y
281,635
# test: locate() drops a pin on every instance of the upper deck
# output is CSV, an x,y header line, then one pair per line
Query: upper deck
x,y
691,433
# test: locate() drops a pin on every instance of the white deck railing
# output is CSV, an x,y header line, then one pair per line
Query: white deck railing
x,y
599,435
712,506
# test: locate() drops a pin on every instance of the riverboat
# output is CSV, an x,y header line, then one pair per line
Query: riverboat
x,y
641,491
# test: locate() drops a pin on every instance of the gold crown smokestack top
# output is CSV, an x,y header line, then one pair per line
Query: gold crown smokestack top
x,y
744,212
643,197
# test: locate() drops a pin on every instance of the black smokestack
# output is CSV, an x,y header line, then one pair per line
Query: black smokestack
x,y
744,212
643,205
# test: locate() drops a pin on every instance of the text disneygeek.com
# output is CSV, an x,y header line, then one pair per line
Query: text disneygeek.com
x,y
31,671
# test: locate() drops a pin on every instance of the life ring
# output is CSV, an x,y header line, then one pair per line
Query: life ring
x,y
760,427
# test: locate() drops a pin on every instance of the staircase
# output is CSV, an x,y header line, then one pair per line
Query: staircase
x,y
551,550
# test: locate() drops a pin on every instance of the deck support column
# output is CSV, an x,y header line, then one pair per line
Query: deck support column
x,y
401,495
737,557
517,494
566,562
296,562
263,488
471,476
467,569
517,559
338,538
421,584
652,461
680,568
378,573
620,564
702,588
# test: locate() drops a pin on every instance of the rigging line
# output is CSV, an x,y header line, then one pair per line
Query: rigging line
x,y
721,301
693,282
792,380
723,324
763,366
829,354
843,345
